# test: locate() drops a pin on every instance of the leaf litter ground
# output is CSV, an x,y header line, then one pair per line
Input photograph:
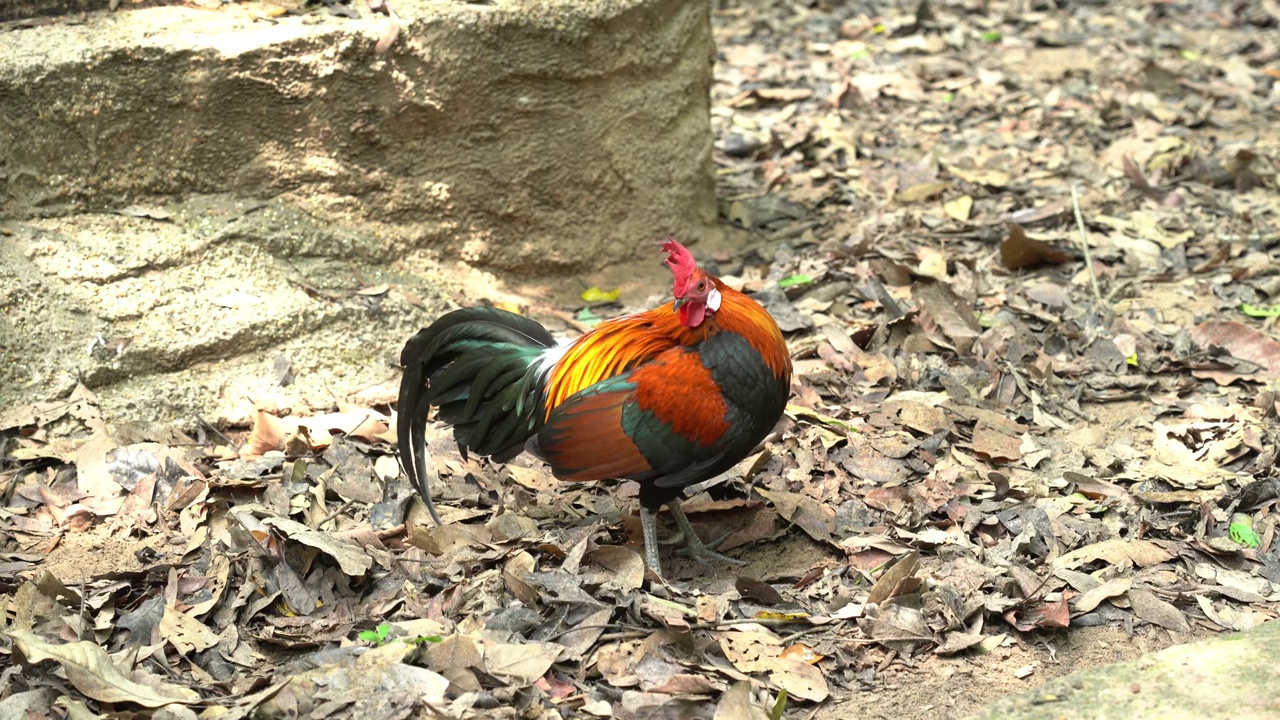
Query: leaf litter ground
x,y
1026,261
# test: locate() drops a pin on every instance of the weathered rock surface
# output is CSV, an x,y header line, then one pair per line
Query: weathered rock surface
x,y
527,138
202,312
191,200
1234,676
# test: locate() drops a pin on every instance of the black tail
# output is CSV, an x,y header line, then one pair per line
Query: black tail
x,y
475,365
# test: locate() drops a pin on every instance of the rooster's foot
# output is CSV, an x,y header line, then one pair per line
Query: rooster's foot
x,y
694,547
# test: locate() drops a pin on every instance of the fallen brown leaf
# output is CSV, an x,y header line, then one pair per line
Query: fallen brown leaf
x,y
91,671
1018,251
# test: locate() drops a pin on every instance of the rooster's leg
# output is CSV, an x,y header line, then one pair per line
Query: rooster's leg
x,y
697,550
649,527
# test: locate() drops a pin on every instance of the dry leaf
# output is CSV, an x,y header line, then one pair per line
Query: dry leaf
x,y
268,433
523,663
990,443
577,643
93,476
1114,587
1120,553
1039,615
1019,251
799,679
353,560
91,671
897,580
1154,610
186,633
811,516
959,208
1242,342
454,652
623,566
736,704
803,653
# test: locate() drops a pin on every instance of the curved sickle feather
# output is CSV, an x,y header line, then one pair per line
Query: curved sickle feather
x,y
411,432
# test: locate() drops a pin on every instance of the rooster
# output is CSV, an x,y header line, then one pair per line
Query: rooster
x,y
668,398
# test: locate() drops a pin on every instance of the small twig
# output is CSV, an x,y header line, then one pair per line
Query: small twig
x,y
1118,288
83,611
1079,414
748,621
316,292
810,630
624,635
957,235
382,535
1033,594
358,275
604,626
796,230
230,443
1084,244
695,626
888,660
341,509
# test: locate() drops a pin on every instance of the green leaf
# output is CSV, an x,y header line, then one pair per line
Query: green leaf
x,y
775,712
1085,503
1242,532
776,616
1260,311
801,411
376,637
1132,359
993,36
586,317
423,639
790,280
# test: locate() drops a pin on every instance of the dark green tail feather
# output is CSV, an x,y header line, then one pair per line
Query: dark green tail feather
x,y
474,365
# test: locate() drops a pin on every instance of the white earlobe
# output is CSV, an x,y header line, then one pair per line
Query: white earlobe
x,y
713,300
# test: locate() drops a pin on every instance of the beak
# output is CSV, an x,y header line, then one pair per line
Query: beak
x,y
680,301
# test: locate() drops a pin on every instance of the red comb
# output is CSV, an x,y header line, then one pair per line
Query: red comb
x,y
681,263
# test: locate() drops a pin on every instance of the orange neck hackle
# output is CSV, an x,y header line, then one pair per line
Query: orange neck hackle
x,y
620,344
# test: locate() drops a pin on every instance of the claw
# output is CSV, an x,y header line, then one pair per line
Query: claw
x,y
677,538
694,546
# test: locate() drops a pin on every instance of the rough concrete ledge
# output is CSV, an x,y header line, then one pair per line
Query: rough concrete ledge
x,y
284,171
1234,676
526,138
202,310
